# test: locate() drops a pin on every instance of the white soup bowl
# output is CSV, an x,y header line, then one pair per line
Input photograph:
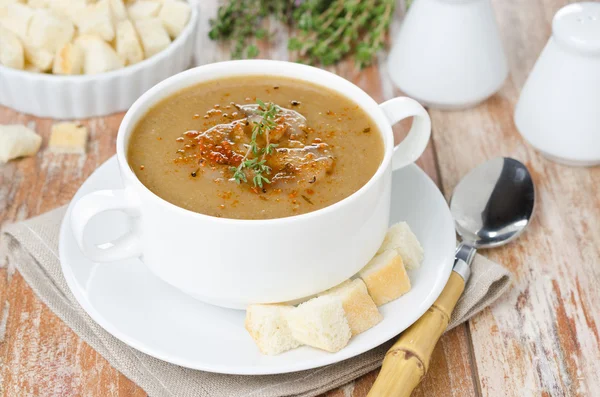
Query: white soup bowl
x,y
233,262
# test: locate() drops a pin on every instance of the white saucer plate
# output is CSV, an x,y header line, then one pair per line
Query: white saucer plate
x,y
141,310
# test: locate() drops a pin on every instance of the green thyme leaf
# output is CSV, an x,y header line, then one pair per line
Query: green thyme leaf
x,y
252,51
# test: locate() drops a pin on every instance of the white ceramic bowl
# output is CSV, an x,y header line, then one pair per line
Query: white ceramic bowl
x,y
215,259
82,96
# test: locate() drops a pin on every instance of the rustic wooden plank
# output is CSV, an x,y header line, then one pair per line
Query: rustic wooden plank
x,y
542,337
39,354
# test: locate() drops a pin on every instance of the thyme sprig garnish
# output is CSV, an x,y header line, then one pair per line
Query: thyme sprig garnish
x,y
257,164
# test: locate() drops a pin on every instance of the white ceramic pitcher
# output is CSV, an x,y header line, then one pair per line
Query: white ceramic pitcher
x,y
559,108
448,53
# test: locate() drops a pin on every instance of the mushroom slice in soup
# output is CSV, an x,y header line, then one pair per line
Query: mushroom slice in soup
x,y
289,122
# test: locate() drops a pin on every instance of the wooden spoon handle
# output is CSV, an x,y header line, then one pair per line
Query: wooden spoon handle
x,y
407,361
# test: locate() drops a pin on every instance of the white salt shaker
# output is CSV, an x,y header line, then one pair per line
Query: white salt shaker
x,y
448,53
559,108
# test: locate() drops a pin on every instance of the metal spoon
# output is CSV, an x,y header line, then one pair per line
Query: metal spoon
x,y
491,206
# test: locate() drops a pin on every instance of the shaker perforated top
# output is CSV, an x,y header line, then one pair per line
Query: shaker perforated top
x,y
577,26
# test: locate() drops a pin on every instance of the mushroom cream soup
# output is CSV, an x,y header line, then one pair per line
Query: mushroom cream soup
x,y
255,147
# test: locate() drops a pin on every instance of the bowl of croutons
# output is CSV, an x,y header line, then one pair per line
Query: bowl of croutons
x,y
68,59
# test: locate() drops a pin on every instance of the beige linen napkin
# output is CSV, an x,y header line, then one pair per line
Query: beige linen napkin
x,y
32,246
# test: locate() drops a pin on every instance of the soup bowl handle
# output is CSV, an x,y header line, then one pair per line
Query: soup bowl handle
x,y
411,148
92,204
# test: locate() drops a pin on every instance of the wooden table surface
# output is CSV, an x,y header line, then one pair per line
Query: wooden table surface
x,y
540,339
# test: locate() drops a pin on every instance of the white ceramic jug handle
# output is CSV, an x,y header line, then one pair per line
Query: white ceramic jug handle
x,y
411,148
90,205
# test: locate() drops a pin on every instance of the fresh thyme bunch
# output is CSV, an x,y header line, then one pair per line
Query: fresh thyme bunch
x,y
327,30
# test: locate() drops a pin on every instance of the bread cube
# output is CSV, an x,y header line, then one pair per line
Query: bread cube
x,y
32,68
68,60
118,9
400,238
68,138
72,9
96,19
16,18
98,56
49,31
40,58
174,15
360,309
4,3
144,9
267,324
11,51
39,3
385,277
127,43
153,35
321,322
16,140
